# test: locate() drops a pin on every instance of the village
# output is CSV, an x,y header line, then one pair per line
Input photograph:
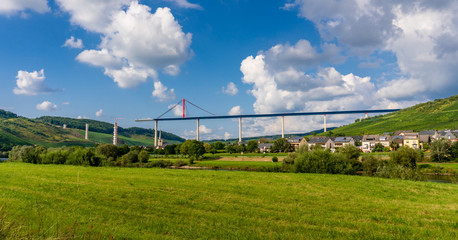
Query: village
x,y
367,143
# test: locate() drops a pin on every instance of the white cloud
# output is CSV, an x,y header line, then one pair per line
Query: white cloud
x,y
172,70
81,117
162,93
73,43
227,135
177,111
11,7
92,15
185,4
231,89
289,88
31,83
367,27
203,129
235,110
99,113
136,43
46,106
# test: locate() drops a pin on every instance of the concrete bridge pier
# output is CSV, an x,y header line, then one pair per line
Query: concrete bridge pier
x,y
155,133
324,123
240,129
197,129
282,126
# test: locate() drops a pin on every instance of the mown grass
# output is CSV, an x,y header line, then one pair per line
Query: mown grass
x,y
55,201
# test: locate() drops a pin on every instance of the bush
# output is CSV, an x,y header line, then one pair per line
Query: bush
x,y
130,157
275,159
351,152
180,163
143,156
323,161
440,150
399,171
405,157
378,148
370,165
289,160
158,164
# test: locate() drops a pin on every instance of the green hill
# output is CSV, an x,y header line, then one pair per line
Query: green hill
x,y
46,131
438,114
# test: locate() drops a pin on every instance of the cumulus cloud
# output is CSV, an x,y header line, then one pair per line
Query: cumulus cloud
x,y
162,93
227,135
290,88
136,43
73,43
236,110
99,113
185,4
400,27
177,111
11,7
81,117
46,106
92,15
31,83
231,89
203,129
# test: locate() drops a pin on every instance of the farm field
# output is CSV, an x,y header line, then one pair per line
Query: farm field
x,y
56,201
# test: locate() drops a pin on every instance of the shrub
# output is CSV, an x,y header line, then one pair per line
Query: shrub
x,y
323,161
350,152
130,157
399,171
289,160
370,165
158,164
440,150
274,159
143,156
405,157
180,163
378,148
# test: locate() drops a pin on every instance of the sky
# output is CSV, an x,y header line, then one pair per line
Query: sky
x,y
107,59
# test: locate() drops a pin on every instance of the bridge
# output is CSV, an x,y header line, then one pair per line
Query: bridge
x,y
282,115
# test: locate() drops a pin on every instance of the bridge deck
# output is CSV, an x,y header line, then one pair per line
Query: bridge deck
x,y
270,115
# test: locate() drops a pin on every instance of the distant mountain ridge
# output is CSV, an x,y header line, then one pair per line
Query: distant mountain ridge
x,y
48,131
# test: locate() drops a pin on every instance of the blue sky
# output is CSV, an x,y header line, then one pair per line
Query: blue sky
x,y
103,59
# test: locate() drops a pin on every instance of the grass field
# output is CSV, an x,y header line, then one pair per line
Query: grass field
x,y
55,201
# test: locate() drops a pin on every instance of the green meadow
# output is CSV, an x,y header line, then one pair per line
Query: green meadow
x,y
65,202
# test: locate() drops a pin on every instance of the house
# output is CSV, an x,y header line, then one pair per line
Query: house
x,y
412,140
401,132
399,140
368,142
342,141
265,147
427,136
295,141
447,134
385,140
324,142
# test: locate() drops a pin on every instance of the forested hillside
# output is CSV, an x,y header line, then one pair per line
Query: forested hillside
x,y
48,131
